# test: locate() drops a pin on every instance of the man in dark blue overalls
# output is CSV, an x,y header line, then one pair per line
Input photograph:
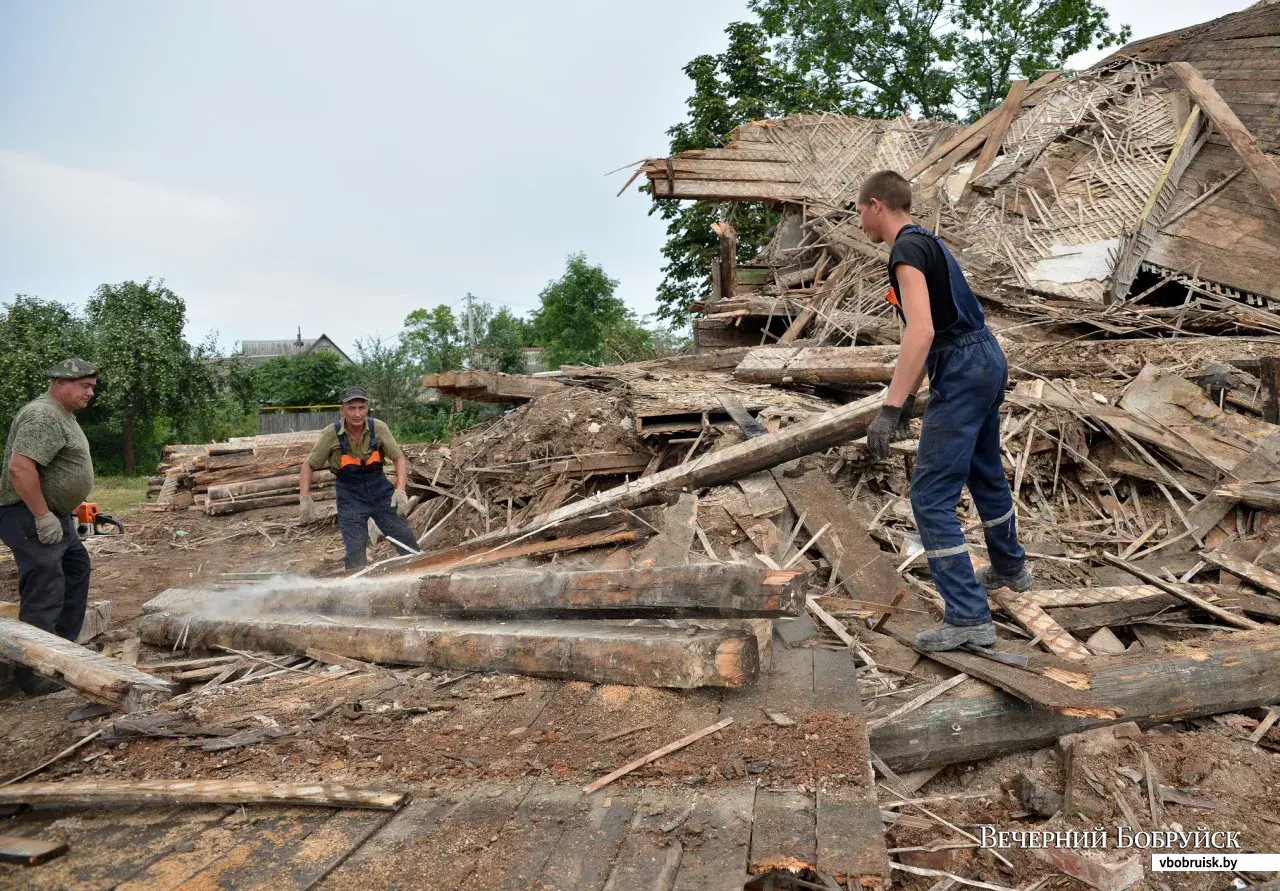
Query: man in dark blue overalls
x,y
946,335
354,449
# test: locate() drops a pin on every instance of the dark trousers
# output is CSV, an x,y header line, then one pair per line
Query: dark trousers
x,y
365,495
53,580
960,445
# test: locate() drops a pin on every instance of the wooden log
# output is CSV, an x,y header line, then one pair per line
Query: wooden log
x,y
599,652
804,438
226,491
1203,677
99,793
491,386
1262,168
97,618
726,590
94,675
225,508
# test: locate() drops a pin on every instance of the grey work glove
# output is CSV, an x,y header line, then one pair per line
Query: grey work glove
x,y
400,501
307,509
883,431
49,528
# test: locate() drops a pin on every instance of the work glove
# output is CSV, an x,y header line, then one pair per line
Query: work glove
x,y
49,529
307,509
883,431
400,501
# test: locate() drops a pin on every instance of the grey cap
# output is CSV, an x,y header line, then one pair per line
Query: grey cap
x,y
72,369
351,393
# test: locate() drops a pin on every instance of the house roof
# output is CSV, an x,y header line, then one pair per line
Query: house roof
x,y
256,351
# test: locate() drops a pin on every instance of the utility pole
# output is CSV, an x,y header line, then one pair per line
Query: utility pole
x,y
471,333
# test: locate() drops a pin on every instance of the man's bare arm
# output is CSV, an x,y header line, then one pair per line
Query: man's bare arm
x,y
304,479
910,368
402,473
25,476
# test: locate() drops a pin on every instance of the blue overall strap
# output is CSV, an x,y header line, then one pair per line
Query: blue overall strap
x,y
969,314
373,436
342,437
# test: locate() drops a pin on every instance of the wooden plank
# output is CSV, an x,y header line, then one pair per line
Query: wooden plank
x,y
721,823
1060,597
96,676
1207,676
668,590
585,854
672,545
100,793
34,851
1040,686
392,856
835,681
1263,169
601,652
670,747
784,834
995,133
525,843
97,618
1087,619
728,265
764,498
1250,572
850,836
790,682
806,437
491,386
1054,637
262,858
649,857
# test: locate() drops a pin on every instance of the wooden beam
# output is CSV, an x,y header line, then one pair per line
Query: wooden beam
x,y
94,675
1055,638
722,590
728,266
1263,169
100,793
1260,464
491,386
1251,572
97,618
1158,206
1206,676
598,652
995,134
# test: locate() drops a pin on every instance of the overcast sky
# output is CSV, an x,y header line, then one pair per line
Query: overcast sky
x,y
336,165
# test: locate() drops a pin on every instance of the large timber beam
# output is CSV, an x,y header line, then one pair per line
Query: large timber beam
x,y
718,590
1203,677
598,652
1263,169
96,676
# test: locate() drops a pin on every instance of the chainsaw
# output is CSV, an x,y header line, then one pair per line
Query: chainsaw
x,y
89,521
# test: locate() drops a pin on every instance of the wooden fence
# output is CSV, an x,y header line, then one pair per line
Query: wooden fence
x,y
297,419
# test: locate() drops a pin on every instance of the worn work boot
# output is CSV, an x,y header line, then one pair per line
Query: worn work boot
x,y
951,637
991,578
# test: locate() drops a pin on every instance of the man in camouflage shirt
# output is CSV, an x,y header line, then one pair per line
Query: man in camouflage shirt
x,y
47,473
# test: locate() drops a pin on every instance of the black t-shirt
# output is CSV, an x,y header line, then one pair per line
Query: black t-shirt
x,y
921,251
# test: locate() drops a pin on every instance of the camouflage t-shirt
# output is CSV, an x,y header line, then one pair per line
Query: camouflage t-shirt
x,y
48,434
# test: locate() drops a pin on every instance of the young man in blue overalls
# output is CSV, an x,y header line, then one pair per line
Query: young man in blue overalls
x,y
946,335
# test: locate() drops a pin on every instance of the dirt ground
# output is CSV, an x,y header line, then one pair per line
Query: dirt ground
x,y
429,733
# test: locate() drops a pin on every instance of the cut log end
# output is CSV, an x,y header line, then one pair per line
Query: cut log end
x,y
738,661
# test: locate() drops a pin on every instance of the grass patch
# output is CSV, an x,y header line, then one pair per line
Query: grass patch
x,y
116,494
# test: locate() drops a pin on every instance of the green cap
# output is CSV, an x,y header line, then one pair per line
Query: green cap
x,y
72,369
351,393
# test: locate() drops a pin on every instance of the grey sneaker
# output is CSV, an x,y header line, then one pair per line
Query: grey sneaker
x,y
952,637
991,578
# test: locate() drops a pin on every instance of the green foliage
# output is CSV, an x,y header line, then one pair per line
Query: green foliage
x,y
941,59
35,335
385,371
502,348
433,340
314,378
579,315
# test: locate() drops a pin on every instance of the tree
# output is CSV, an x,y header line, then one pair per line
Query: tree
x,y
137,333
503,343
578,314
35,335
314,378
942,59
387,373
433,341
